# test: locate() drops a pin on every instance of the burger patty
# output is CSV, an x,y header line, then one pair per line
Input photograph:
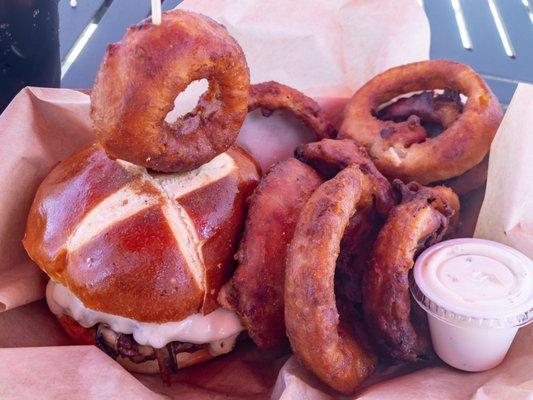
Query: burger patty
x,y
118,344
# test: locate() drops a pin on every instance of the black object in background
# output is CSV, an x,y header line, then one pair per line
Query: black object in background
x,y
29,46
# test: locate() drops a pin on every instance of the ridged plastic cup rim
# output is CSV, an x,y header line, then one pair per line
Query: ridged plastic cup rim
x,y
517,317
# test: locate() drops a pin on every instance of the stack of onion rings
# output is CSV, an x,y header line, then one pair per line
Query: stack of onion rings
x,y
328,157
399,149
140,77
338,354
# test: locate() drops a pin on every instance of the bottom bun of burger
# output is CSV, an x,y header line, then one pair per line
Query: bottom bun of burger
x,y
146,347
88,336
152,367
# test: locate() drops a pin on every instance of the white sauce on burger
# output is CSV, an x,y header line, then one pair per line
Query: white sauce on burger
x,y
219,328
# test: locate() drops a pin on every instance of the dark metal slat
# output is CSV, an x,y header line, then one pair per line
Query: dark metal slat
x,y
445,38
488,51
520,29
446,43
120,15
73,20
170,4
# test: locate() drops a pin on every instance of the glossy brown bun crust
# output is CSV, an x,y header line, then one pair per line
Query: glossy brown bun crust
x,y
150,247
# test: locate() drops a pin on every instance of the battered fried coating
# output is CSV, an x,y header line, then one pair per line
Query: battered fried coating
x,y
256,290
355,248
270,96
140,77
338,354
440,110
404,150
329,156
421,220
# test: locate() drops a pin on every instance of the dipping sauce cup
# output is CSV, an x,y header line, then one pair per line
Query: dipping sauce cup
x,y
476,293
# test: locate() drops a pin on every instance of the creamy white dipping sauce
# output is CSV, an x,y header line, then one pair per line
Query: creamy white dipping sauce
x,y
219,328
476,293
476,278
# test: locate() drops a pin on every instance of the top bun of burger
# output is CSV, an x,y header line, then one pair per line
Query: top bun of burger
x,y
149,247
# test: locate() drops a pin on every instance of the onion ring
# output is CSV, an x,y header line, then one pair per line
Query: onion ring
x,y
339,357
138,81
255,291
270,96
461,146
328,157
442,109
422,219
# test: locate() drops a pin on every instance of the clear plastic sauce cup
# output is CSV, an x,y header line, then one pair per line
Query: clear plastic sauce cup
x,y
476,293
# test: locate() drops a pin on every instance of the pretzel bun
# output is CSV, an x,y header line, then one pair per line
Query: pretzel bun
x,y
150,247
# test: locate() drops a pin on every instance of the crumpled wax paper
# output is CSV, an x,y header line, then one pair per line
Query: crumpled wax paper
x,y
507,212
327,49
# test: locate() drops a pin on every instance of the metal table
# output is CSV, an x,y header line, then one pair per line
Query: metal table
x,y
493,36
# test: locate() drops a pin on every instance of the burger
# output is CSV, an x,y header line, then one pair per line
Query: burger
x,y
136,258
